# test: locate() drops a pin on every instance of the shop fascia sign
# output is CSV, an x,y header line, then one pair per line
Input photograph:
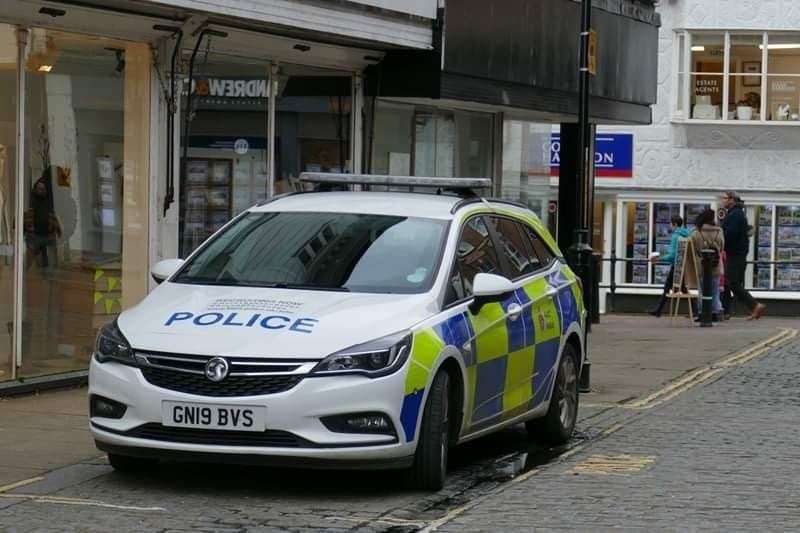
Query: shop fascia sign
x,y
613,156
228,87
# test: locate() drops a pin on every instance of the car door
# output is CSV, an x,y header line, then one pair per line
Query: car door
x,y
532,317
545,291
485,353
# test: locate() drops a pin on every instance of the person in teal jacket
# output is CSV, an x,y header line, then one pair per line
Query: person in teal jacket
x,y
678,232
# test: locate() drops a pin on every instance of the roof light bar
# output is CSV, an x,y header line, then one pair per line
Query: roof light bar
x,y
399,181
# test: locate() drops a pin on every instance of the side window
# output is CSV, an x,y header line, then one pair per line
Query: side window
x,y
475,254
545,255
521,259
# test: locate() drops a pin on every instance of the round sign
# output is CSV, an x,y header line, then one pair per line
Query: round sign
x,y
241,146
721,213
552,207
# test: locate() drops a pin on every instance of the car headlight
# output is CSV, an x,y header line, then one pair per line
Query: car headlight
x,y
373,359
111,345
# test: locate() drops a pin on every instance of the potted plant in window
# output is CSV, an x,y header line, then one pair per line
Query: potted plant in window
x,y
745,106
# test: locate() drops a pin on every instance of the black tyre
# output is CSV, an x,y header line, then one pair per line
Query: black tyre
x,y
557,425
129,464
430,460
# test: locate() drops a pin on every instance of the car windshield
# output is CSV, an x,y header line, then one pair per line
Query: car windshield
x,y
322,251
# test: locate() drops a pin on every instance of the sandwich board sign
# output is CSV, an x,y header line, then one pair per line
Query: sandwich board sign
x,y
686,268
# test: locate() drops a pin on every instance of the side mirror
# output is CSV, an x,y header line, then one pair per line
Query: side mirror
x,y
164,269
489,288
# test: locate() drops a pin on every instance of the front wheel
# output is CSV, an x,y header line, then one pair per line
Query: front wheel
x,y
557,425
430,460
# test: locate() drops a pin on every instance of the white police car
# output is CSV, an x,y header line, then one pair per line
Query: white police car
x,y
353,329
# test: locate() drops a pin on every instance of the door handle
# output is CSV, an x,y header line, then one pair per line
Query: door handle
x,y
514,310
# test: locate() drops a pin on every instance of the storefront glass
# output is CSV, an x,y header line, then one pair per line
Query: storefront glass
x,y
8,155
87,105
312,123
227,168
526,167
422,141
227,165
646,229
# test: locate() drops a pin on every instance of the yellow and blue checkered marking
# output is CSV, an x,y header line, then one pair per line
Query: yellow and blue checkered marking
x,y
510,364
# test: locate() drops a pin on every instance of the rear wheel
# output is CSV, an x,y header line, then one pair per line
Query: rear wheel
x,y
557,425
129,464
430,460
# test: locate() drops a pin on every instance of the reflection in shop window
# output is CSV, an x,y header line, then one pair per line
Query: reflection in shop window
x,y
87,109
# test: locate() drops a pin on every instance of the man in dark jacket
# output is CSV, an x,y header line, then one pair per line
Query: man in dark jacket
x,y
737,244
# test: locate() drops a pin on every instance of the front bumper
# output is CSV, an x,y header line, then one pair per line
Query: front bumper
x,y
295,412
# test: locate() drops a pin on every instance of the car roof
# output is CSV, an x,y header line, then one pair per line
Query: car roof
x,y
372,203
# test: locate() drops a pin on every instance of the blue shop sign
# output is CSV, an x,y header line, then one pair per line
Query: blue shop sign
x,y
613,157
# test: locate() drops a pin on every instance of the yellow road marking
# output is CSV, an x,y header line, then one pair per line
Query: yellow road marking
x,y
62,500
705,373
12,486
612,464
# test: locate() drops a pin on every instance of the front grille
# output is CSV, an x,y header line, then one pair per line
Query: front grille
x,y
269,438
233,385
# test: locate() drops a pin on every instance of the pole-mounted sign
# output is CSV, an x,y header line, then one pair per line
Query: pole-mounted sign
x,y
592,52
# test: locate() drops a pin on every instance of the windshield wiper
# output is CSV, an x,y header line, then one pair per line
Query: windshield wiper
x,y
306,287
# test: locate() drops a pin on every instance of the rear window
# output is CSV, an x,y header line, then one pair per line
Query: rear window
x,y
322,251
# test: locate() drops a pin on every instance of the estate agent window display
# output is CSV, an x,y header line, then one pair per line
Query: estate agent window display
x,y
741,77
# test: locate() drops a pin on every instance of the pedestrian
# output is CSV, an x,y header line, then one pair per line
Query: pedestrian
x,y
737,244
678,232
708,236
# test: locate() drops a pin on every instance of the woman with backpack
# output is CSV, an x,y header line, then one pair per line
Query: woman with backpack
x,y
708,236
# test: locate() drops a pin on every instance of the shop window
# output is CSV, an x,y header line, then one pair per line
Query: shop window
x,y
8,191
87,140
787,248
527,149
227,168
647,229
761,81
419,141
763,231
312,123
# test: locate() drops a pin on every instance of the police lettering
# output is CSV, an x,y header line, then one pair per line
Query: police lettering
x,y
236,319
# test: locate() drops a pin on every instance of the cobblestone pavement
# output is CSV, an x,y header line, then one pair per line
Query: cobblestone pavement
x,y
723,455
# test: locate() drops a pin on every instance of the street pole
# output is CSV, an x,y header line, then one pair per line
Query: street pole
x,y
582,249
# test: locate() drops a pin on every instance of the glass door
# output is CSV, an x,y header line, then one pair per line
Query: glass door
x,y
8,156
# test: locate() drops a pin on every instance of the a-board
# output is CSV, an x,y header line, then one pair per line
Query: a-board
x,y
686,267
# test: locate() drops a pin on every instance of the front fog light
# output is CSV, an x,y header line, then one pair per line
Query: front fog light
x,y
102,407
375,423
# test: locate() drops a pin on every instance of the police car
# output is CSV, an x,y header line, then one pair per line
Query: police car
x,y
346,329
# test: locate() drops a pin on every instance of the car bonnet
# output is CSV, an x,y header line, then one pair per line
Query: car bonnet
x,y
265,322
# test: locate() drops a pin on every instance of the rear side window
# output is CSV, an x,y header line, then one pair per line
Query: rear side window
x,y
546,257
521,259
475,253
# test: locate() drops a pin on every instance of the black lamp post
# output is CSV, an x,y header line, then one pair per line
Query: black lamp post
x,y
582,249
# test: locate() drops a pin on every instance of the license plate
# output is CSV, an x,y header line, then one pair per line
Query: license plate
x,y
212,416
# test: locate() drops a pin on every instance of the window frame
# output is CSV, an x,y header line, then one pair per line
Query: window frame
x,y
681,100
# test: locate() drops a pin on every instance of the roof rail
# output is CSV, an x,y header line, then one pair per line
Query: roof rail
x,y
462,186
467,201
